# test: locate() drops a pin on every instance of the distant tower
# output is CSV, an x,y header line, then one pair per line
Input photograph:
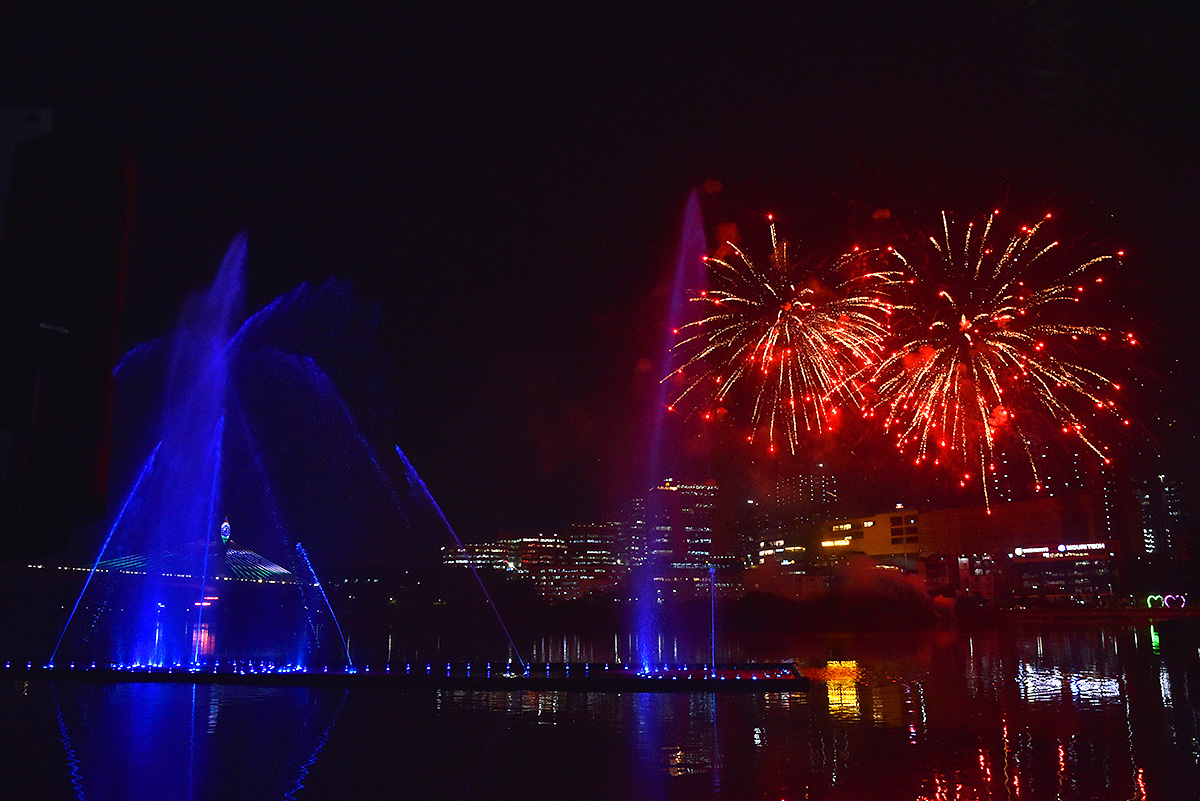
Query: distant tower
x,y
672,525
1161,500
804,498
633,533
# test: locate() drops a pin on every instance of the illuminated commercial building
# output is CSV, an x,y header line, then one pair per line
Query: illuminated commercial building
x,y
1065,570
786,557
891,537
558,582
780,552
1046,548
1043,472
981,575
1048,472
494,555
514,554
594,543
561,569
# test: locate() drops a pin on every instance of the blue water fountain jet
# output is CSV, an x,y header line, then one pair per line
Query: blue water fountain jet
x,y
345,645
272,503
712,620
417,483
291,463
202,603
112,529
322,380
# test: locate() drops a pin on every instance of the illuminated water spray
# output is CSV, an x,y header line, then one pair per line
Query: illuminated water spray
x,y
203,602
712,609
247,421
689,277
416,483
303,555
107,540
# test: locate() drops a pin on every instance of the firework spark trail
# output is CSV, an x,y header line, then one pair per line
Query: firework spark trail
x,y
794,337
995,350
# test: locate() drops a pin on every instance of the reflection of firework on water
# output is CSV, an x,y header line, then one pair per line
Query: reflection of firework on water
x,y
788,337
996,356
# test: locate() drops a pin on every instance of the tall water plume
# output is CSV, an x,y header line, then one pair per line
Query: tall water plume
x,y
235,443
688,278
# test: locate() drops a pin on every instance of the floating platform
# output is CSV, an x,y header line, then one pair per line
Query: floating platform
x,y
461,676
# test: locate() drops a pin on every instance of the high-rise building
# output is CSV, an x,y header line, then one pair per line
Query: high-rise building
x,y
797,501
1161,501
1050,472
804,497
594,543
632,543
679,524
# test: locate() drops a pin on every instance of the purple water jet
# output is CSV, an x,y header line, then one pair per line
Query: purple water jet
x,y
689,277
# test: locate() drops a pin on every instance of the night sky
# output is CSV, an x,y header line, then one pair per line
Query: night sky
x,y
507,185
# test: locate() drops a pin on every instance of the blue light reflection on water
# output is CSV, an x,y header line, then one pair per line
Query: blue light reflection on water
x,y
993,714
164,741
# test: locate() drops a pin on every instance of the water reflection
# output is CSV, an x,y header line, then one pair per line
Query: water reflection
x,y
626,647
167,741
841,685
1104,713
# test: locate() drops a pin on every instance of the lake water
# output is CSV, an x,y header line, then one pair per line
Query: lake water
x,y
1103,712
